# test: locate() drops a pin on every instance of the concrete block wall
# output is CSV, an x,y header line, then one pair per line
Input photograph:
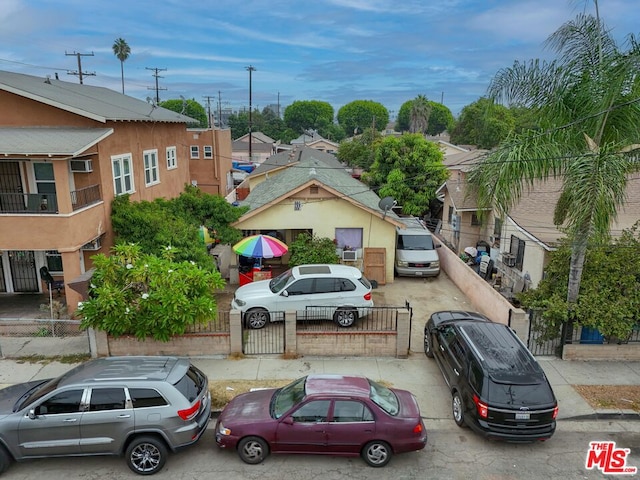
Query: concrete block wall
x,y
366,344
190,345
576,351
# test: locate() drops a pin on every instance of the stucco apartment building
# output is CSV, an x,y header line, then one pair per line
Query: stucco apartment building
x,y
66,150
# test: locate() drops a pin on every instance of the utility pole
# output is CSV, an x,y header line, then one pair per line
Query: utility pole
x,y
278,105
208,99
80,73
157,88
250,69
219,110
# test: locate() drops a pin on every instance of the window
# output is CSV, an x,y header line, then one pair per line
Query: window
x,y
45,182
301,287
146,397
63,402
106,399
497,227
450,215
54,261
516,248
122,177
457,350
351,411
192,383
195,151
172,158
349,238
312,412
208,151
151,176
475,220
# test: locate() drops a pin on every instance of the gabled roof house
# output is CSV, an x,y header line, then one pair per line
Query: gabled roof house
x,y
314,193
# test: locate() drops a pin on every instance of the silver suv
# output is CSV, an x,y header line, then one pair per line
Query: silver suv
x,y
141,407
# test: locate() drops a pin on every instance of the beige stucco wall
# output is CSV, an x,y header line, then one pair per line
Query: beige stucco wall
x,y
323,217
535,256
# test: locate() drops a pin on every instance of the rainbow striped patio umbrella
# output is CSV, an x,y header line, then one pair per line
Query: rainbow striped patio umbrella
x,y
260,246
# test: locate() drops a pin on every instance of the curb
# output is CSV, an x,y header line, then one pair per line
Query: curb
x,y
607,415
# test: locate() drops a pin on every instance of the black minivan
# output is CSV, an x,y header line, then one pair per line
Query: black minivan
x,y
497,386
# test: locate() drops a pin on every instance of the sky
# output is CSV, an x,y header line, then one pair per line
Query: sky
x,y
336,51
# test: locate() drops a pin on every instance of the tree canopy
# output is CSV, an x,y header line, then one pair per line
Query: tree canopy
x,y
190,108
358,115
483,123
610,288
587,109
440,117
360,150
409,169
133,293
122,51
158,224
304,115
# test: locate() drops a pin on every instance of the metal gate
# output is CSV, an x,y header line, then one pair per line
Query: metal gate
x,y
543,340
264,341
23,271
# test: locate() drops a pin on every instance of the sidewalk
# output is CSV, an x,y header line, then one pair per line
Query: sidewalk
x,y
416,374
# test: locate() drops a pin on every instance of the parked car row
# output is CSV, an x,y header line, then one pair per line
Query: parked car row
x,y
144,407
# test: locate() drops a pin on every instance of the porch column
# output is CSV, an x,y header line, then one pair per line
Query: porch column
x,y
290,334
235,331
61,176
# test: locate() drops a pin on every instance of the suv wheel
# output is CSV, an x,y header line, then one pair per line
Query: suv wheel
x,y
457,408
376,453
253,450
427,344
345,317
5,459
146,455
257,318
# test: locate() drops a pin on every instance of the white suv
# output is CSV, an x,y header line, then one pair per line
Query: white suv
x,y
338,292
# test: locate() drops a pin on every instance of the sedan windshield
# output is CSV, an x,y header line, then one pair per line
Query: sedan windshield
x,y
384,398
287,397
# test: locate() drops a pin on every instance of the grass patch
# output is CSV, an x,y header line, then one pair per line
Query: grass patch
x,y
223,391
73,358
623,397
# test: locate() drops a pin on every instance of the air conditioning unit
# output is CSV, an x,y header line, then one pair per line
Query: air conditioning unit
x,y
509,259
84,166
93,245
349,255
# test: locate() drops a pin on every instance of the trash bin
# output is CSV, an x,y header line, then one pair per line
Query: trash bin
x,y
591,336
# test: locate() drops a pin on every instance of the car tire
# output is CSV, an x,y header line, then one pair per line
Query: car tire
x,y
253,450
457,408
146,455
345,317
428,349
377,453
5,459
256,318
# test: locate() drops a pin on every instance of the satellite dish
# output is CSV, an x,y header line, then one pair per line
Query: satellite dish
x,y
385,204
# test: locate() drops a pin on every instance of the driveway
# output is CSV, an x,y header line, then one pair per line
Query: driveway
x,y
425,295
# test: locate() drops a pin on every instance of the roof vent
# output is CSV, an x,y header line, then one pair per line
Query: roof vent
x,y
312,172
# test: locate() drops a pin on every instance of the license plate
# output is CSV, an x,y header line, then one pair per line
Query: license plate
x,y
523,416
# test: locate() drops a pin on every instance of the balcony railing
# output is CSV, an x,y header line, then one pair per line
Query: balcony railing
x,y
85,196
46,202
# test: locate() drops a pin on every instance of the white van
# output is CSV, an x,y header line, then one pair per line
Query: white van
x,y
416,254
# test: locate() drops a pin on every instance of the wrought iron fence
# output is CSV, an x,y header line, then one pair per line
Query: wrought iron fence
x,y
85,196
40,327
369,319
219,325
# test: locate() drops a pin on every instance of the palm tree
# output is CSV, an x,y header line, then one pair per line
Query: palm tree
x,y
122,51
419,115
587,102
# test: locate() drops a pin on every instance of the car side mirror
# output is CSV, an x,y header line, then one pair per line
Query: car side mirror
x,y
32,413
438,245
288,420
284,293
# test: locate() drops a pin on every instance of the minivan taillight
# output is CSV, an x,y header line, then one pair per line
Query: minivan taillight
x,y
555,412
189,413
417,428
367,296
483,408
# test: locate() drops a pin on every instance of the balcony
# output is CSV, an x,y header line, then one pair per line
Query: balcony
x,y
47,203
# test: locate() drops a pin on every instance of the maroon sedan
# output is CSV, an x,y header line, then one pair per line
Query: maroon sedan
x,y
323,414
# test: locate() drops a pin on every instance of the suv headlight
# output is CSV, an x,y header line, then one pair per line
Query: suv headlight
x,y
240,303
435,264
223,431
402,263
